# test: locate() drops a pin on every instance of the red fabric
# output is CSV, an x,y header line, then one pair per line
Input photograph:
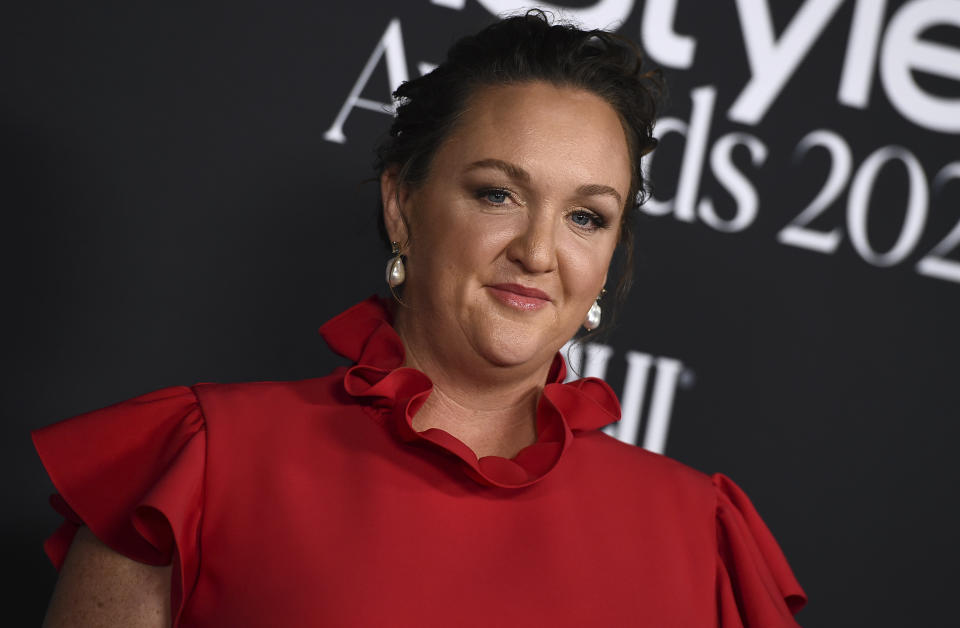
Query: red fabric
x,y
133,473
316,503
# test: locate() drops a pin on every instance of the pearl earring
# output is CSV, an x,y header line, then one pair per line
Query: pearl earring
x,y
592,321
396,273
593,317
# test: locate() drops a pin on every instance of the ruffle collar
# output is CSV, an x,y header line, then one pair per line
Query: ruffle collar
x,y
364,335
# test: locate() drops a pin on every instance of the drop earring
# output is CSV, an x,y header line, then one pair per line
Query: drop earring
x,y
396,273
593,317
592,321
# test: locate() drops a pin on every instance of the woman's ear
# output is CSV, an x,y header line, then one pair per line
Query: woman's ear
x,y
393,195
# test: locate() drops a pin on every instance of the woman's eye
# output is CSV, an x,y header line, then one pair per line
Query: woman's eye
x,y
496,196
586,219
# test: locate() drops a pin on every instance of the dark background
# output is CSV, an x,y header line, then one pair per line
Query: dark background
x,y
173,214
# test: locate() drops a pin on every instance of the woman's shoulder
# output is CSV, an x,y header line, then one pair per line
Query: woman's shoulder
x,y
264,399
631,461
755,585
211,397
312,391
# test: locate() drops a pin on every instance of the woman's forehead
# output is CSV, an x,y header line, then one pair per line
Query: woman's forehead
x,y
540,126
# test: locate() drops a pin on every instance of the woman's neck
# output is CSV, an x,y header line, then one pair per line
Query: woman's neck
x,y
491,409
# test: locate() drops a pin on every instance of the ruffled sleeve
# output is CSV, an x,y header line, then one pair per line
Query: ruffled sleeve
x,y
755,585
132,473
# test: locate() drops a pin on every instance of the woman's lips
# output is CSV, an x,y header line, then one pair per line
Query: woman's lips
x,y
520,297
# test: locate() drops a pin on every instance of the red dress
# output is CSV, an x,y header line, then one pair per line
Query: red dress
x,y
315,503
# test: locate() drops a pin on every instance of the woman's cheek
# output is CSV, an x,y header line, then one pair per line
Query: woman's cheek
x,y
584,265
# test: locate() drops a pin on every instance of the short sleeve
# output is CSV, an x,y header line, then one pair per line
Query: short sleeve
x,y
755,585
133,473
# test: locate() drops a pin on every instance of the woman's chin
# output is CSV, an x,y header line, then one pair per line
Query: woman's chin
x,y
511,350
510,339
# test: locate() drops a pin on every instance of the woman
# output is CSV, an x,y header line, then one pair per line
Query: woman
x,y
448,477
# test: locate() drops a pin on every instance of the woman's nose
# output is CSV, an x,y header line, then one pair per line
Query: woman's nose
x,y
534,247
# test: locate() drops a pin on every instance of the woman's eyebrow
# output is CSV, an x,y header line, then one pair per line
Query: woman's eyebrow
x,y
598,189
516,172
513,170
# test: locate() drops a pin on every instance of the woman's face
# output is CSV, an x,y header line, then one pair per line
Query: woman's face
x,y
512,232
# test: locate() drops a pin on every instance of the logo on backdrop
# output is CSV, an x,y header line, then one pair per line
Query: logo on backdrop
x,y
897,50
892,48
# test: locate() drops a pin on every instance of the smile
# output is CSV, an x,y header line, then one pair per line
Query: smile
x,y
520,297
